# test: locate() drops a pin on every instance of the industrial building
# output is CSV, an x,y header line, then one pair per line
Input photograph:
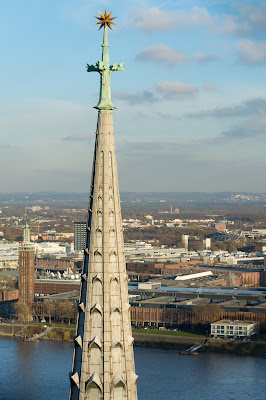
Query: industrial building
x,y
54,286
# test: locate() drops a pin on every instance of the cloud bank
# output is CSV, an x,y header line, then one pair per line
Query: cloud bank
x,y
251,52
245,20
175,89
246,108
162,54
166,55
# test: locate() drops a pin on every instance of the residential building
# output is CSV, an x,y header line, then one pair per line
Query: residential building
x,y
80,233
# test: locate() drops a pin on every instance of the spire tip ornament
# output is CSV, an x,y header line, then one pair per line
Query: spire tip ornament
x,y
105,20
104,68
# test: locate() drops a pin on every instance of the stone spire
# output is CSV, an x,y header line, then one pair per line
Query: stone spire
x,y
103,362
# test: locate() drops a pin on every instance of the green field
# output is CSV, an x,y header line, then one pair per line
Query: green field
x,y
167,333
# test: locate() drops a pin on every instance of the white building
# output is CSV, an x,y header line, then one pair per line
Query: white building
x,y
185,239
235,329
8,254
147,251
137,247
208,243
45,248
149,285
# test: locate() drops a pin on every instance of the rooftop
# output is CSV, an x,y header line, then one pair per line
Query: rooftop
x,y
236,322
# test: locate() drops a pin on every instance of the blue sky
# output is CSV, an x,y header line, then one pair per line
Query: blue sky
x,y
190,104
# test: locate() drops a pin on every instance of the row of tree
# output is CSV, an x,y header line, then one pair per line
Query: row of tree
x,y
60,310
53,310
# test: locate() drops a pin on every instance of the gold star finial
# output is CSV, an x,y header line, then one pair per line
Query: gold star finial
x,y
105,20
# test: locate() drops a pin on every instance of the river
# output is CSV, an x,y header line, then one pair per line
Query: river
x,y
39,371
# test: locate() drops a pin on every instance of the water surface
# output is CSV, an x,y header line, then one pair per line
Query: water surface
x,y
39,371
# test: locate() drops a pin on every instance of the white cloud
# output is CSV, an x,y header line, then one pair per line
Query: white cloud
x,y
162,54
245,20
253,17
248,107
167,55
251,52
250,129
205,58
160,90
175,89
154,19
246,131
144,96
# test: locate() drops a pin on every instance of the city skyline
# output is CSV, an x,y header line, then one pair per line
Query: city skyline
x,y
191,98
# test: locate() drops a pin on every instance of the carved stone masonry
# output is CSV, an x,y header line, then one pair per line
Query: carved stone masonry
x,y
103,362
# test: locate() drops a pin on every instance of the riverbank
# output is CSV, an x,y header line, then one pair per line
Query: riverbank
x,y
239,347
154,339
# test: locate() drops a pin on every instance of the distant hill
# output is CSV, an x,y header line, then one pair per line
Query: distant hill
x,y
179,198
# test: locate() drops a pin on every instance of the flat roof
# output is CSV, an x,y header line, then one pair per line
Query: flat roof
x,y
262,305
58,281
235,322
204,290
67,295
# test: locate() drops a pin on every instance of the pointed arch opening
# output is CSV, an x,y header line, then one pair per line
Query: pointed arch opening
x,y
94,383
96,342
96,308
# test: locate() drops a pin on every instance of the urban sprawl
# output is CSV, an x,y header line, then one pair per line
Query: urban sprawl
x,y
184,269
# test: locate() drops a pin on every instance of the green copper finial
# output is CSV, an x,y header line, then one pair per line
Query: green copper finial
x,y
104,68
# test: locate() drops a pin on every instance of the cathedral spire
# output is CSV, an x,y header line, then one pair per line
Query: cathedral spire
x,y
103,363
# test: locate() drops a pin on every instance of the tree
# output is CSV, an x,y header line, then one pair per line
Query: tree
x,y
49,308
220,245
231,247
66,309
207,312
195,245
22,311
